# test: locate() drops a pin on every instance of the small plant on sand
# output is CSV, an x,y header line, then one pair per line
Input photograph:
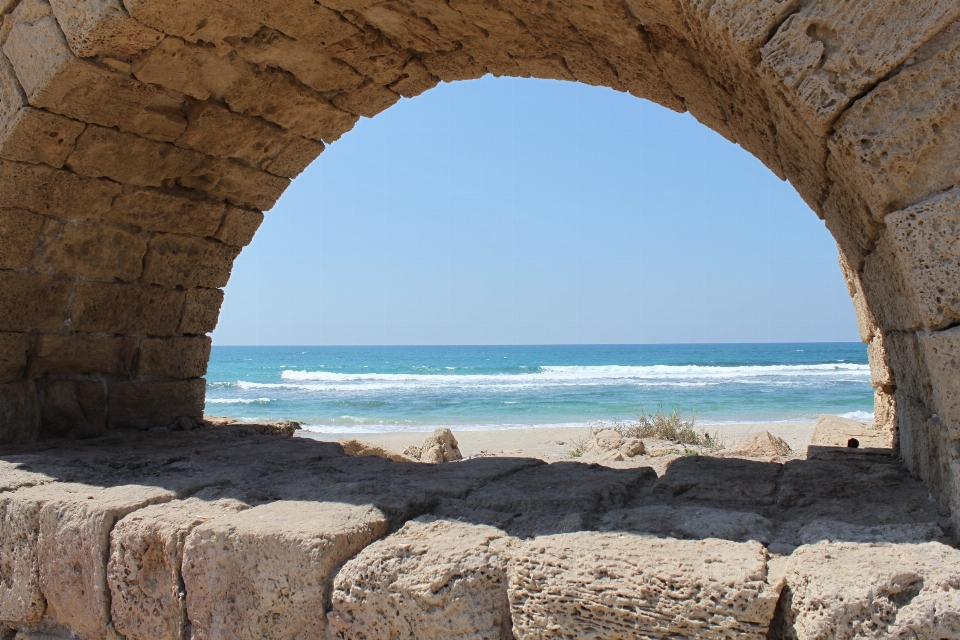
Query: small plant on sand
x,y
673,427
579,447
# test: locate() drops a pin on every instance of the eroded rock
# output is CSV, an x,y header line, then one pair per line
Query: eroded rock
x,y
432,580
143,572
639,586
266,572
845,590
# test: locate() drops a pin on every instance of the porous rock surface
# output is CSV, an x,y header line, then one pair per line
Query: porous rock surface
x,y
265,572
141,141
844,590
604,585
143,572
221,532
439,447
431,580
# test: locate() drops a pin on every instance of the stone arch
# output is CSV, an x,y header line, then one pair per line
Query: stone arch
x,y
141,139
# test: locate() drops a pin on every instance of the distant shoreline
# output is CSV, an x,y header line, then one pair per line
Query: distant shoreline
x,y
545,442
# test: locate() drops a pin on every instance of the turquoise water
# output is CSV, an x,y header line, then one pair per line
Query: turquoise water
x,y
378,389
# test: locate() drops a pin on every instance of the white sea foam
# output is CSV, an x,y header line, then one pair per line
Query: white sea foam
x,y
859,416
580,376
238,400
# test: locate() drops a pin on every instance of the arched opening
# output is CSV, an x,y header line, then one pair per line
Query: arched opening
x,y
531,212
140,142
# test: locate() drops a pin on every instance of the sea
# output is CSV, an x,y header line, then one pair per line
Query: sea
x,y
345,390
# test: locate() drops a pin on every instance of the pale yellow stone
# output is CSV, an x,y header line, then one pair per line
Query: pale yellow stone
x,y
266,572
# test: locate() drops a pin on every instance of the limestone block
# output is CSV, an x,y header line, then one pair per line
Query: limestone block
x,y
13,355
294,158
212,21
926,241
403,26
375,56
237,183
73,543
847,590
941,351
556,497
173,211
884,278
217,131
53,192
720,480
906,358
173,357
27,134
835,487
603,585
266,572
58,354
430,580
898,139
101,307
146,553
200,311
926,448
18,237
826,55
128,158
19,413
246,88
28,539
20,596
54,79
72,408
834,531
102,28
692,523
313,68
14,476
144,405
303,20
880,373
416,79
39,137
97,250
834,431
737,27
174,260
32,302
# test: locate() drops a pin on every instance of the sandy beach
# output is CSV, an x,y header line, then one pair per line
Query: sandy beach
x,y
554,444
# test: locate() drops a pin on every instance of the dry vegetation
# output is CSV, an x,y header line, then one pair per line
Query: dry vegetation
x,y
673,427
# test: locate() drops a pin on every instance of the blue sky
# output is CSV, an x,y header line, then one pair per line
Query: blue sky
x,y
515,211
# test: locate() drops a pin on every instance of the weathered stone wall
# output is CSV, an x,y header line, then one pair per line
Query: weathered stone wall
x,y
141,139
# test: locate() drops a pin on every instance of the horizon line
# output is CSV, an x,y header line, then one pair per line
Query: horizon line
x,y
550,344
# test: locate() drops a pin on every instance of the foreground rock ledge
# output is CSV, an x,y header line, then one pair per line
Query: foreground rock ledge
x,y
225,533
